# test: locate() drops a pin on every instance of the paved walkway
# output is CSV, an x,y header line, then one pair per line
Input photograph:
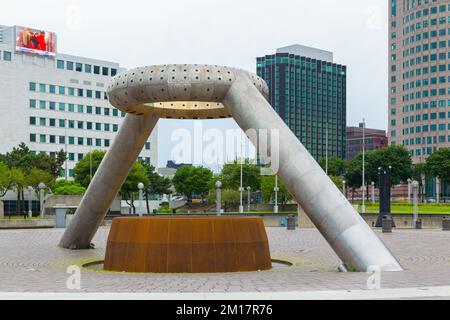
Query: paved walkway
x,y
30,261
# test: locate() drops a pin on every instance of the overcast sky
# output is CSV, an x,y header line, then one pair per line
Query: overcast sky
x,y
226,32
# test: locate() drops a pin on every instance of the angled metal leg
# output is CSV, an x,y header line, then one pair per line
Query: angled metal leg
x,y
108,180
344,229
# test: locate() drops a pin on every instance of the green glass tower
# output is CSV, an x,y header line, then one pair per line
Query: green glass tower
x,y
308,91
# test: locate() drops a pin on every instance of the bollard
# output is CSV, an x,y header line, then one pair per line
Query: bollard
x,y
419,224
290,222
446,224
387,224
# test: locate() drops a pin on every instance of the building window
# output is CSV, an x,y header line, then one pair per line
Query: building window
x,y
70,65
96,70
79,67
147,146
98,142
61,90
42,138
113,72
7,55
42,88
60,64
107,142
32,86
32,137
32,121
87,68
42,104
98,110
72,140
105,71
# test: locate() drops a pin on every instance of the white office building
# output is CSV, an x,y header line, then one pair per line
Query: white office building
x,y
53,101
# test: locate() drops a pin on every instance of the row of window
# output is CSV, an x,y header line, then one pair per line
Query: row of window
x,y
425,141
425,117
80,141
424,24
86,68
411,4
426,47
70,107
72,124
69,91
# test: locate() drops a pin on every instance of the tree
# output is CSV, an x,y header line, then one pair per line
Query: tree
x,y
397,157
64,187
228,197
438,164
23,159
82,170
231,175
137,175
336,166
268,191
36,176
82,175
190,180
157,184
9,178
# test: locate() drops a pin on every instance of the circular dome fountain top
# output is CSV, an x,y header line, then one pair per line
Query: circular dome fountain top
x,y
177,91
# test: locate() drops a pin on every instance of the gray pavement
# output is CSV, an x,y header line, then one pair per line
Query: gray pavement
x,y
31,261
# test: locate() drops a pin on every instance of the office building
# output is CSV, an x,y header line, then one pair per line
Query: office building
x,y
374,139
308,90
419,76
53,101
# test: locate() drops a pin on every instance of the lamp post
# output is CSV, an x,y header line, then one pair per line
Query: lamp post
x,y
363,207
30,201
344,189
326,148
41,198
141,198
219,198
241,187
415,191
409,190
276,189
438,190
248,198
373,192
66,174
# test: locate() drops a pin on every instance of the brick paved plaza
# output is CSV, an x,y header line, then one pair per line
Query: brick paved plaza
x,y
30,261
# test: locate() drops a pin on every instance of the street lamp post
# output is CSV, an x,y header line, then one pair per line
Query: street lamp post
x,y
409,190
241,187
415,191
344,189
248,198
141,198
41,198
326,148
276,189
373,192
219,198
363,207
30,201
66,174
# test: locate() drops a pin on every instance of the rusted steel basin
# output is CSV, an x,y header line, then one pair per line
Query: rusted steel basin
x,y
187,245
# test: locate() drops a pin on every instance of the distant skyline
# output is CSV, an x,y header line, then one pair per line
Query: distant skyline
x,y
136,33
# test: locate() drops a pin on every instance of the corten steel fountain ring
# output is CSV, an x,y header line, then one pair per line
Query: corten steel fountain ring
x,y
187,245
214,92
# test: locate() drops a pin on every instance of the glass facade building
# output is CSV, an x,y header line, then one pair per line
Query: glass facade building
x,y
419,76
308,91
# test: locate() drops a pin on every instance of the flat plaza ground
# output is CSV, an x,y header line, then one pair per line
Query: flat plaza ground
x,y
31,261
